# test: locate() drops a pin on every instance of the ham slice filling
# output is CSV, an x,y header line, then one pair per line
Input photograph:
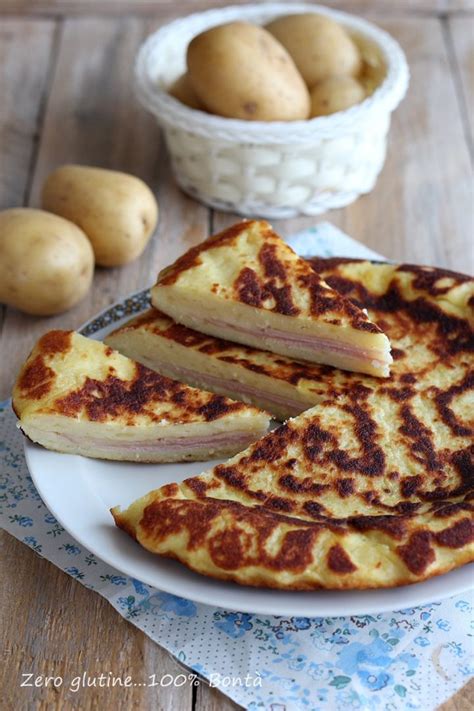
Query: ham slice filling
x,y
235,388
376,356
170,445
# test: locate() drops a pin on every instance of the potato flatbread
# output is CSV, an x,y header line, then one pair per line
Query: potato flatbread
x,y
373,486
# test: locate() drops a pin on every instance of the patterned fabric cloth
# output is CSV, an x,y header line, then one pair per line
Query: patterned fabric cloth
x,y
413,659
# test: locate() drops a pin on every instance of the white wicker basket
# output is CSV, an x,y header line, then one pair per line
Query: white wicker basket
x,y
270,169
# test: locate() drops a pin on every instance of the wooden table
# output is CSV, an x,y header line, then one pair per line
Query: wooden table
x,y
66,96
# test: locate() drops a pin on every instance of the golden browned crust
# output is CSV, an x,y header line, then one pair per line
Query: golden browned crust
x,y
373,487
271,283
71,376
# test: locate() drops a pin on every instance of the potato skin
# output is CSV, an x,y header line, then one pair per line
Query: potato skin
x,y
239,70
46,262
319,47
183,91
117,211
335,94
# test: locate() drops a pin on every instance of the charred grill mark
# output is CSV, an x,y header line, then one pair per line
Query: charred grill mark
x,y
339,561
454,334
456,536
113,397
272,266
315,439
232,546
399,394
36,379
271,447
417,554
192,257
397,353
323,300
283,301
301,486
372,460
55,342
392,525
410,485
314,509
444,399
231,476
427,278
421,437
217,406
277,503
248,288
345,487
450,509
463,462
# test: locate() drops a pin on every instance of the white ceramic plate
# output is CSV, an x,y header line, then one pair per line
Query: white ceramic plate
x,y
80,492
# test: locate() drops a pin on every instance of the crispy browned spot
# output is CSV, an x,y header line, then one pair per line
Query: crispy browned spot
x,y
217,407
272,446
272,266
113,397
456,536
394,526
229,547
191,257
248,288
417,554
345,487
410,485
55,342
36,379
421,437
443,401
339,561
372,460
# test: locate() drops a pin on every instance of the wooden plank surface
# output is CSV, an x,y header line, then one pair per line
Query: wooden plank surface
x,y
23,85
167,7
462,34
79,106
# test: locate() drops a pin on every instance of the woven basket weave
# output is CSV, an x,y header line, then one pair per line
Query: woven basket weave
x,y
270,169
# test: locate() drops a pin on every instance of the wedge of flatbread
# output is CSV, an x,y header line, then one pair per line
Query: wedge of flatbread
x,y
248,286
373,487
80,396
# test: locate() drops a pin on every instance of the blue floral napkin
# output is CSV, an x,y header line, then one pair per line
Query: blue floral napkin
x,y
413,659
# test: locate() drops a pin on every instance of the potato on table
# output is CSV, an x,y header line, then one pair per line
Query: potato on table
x,y
46,262
117,211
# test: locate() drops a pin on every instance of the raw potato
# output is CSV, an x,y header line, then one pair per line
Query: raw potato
x,y
319,46
335,94
182,90
239,70
117,211
46,262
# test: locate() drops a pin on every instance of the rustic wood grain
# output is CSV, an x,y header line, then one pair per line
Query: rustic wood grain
x,y
208,699
22,90
461,35
168,7
420,210
59,628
